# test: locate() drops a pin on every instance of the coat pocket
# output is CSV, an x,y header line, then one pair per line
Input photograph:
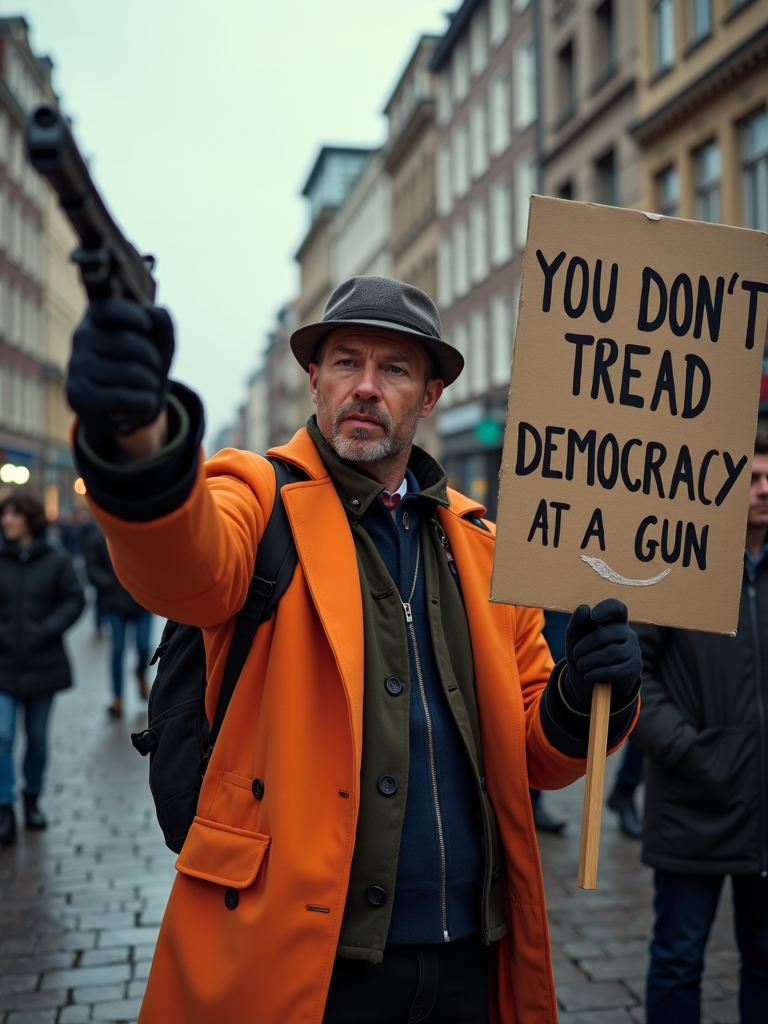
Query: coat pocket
x,y
222,854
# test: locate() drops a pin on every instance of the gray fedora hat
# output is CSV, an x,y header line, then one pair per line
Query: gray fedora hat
x,y
381,302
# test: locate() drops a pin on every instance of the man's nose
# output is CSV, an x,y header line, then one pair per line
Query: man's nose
x,y
366,386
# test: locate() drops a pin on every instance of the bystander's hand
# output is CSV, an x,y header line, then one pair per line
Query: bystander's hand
x,y
600,647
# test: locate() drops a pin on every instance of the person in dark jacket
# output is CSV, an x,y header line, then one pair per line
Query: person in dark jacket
x,y
120,609
704,730
40,598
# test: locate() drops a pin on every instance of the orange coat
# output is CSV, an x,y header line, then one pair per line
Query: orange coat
x,y
295,722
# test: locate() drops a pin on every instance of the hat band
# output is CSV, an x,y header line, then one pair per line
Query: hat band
x,y
377,313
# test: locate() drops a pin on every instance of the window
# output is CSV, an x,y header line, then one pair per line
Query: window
x,y
754,147
519,5
525,186
525,84
444,187
478,347
478,44
501,339
444,103
707,169
478,129
460,259
566,190
566,83
461,386
499,99
663,30
460,68
499,21
668,192
606,180
460,161
501,222
444,273
699,19
478,223
605,41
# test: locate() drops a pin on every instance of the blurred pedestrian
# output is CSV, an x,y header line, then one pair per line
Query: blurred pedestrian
x,y
622,797
40,598
704,733
121,610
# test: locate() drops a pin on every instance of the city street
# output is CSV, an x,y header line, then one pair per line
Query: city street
x,y
80,904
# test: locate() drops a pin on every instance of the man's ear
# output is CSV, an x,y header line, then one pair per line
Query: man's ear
x,y
314,369
432,393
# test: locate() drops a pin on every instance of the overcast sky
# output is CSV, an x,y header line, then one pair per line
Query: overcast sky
x,y
201,121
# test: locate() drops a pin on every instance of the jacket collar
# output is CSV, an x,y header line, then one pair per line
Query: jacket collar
x,y
10,549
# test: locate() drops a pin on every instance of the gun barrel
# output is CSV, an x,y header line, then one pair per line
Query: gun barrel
x,y
108,262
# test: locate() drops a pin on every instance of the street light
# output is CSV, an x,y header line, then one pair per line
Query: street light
x,y
10,474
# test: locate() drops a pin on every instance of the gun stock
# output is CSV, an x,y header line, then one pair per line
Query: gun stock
x,y
108,263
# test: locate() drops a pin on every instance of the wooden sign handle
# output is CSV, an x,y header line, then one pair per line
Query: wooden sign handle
x,y
593,790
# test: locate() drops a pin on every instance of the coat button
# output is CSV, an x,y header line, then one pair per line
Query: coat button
x,y
388,785
258,788
376,896
393,685
231,899
495,874
23,556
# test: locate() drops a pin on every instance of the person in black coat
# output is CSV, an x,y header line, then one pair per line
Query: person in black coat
x,y
704,730
40,598
120,609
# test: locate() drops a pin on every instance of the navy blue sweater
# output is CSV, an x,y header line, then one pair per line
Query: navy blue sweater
x,y
417,910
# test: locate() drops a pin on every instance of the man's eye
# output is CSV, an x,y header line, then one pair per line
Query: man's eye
x,y
396,369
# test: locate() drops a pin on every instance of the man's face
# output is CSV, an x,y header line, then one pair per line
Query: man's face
x,y
371,388
758,492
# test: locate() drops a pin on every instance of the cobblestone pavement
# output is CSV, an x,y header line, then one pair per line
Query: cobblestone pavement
x,y
80,904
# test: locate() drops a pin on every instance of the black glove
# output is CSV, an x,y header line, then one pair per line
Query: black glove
x,y
601,648
117,379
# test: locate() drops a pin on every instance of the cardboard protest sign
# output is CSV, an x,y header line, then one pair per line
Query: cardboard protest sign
x,y
632,414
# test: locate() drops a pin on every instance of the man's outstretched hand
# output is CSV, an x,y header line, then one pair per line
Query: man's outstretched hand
x,y
601,648
117,380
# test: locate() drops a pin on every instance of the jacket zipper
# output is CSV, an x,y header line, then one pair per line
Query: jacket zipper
x,y
430,735
756,653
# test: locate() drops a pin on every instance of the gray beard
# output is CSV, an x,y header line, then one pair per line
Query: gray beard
x,y
363,449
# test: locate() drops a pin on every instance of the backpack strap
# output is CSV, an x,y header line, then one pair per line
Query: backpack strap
x,y
276,562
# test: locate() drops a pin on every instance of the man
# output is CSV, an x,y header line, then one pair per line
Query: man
x,y
704,732
364,848
120,609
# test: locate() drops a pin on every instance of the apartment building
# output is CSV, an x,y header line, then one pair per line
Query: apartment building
x,y
486,169
410,162
359,233
703,109
40,296
590,58
330,181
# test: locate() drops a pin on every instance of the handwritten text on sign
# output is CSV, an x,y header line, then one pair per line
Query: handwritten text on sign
x,y
632,414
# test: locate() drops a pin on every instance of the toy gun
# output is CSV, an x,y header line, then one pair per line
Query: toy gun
x,y
108,263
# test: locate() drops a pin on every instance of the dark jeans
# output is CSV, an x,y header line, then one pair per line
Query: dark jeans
x,y
36,713
118,624
685,908
441,984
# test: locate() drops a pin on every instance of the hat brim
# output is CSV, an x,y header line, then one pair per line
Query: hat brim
x,y
304,342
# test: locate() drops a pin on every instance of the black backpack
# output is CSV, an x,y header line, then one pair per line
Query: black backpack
x,y
179,739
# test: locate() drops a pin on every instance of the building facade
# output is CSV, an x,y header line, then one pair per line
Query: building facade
x,y
486,170
410,162
590,56
330,181
703,110
359,233
41,299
